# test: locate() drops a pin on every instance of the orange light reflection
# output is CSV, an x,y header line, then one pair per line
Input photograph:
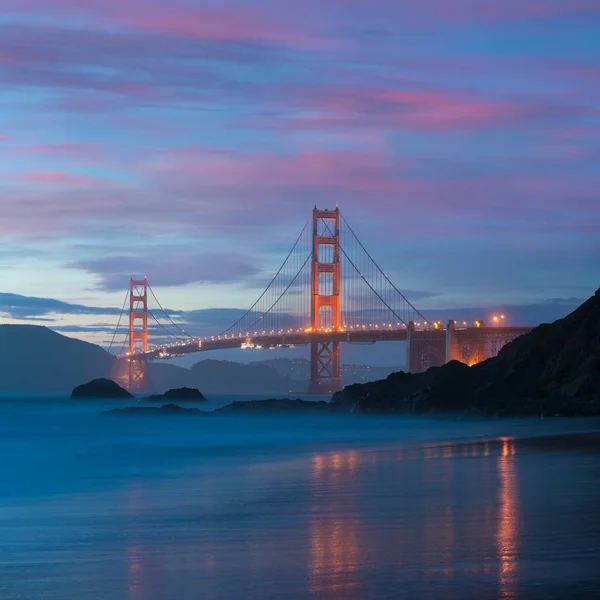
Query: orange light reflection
x,y
334,529
508,527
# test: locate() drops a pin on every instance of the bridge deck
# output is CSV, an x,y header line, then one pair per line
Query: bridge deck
x,y
300,339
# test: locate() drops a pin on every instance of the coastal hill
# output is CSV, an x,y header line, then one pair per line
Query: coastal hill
x,y
37,360
214,376
553,370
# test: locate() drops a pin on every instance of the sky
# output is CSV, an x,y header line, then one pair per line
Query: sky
x,y
188,140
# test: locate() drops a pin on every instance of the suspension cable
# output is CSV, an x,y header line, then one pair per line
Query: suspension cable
x,y
365,279
119,322
379,269
124,342
167,316
163,327
270,283
282,293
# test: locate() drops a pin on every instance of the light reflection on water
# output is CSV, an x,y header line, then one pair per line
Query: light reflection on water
x,y
339,546
449,521
508,520
133,550
334,535
438,540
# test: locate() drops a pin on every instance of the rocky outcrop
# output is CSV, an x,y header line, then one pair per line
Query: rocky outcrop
x,y
180,394
100,388
553,370
275,405
167,409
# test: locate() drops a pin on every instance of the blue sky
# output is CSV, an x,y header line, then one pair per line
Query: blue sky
x,y
188,141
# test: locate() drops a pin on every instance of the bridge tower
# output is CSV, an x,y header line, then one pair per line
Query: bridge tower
x,y
326,307
138,331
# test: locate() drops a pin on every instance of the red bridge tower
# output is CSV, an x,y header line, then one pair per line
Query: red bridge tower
x,y
326,307
138,331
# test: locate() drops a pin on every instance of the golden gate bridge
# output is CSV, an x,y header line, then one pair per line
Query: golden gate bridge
x,y
328,291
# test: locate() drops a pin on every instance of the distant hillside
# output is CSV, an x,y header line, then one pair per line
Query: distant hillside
x,y
297,370
162,376
222,376
35,359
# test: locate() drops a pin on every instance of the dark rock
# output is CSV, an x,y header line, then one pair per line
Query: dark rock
x,y
167,409
100,388
276,405
180,394
553,370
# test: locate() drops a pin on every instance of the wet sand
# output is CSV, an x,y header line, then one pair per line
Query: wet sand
x,y
497,518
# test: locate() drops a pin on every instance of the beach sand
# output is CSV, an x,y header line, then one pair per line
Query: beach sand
x,y
500,517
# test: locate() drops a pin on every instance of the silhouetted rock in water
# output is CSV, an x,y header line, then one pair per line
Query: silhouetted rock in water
x,y
554,371
180,394
100,388
167,409
276,405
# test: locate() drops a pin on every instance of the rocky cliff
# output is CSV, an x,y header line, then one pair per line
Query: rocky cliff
x,y
553,370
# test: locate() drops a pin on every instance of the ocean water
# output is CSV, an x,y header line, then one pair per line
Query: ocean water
x,y
294,506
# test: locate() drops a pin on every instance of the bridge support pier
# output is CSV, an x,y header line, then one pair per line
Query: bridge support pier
x,y
326,308
425,348
324,368
411,358
453,348
136,374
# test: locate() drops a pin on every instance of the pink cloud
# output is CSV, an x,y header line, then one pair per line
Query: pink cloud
x,y
241,22
440,109
62,179
322,168
212,23
259,184
227,193
360,108
68,149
